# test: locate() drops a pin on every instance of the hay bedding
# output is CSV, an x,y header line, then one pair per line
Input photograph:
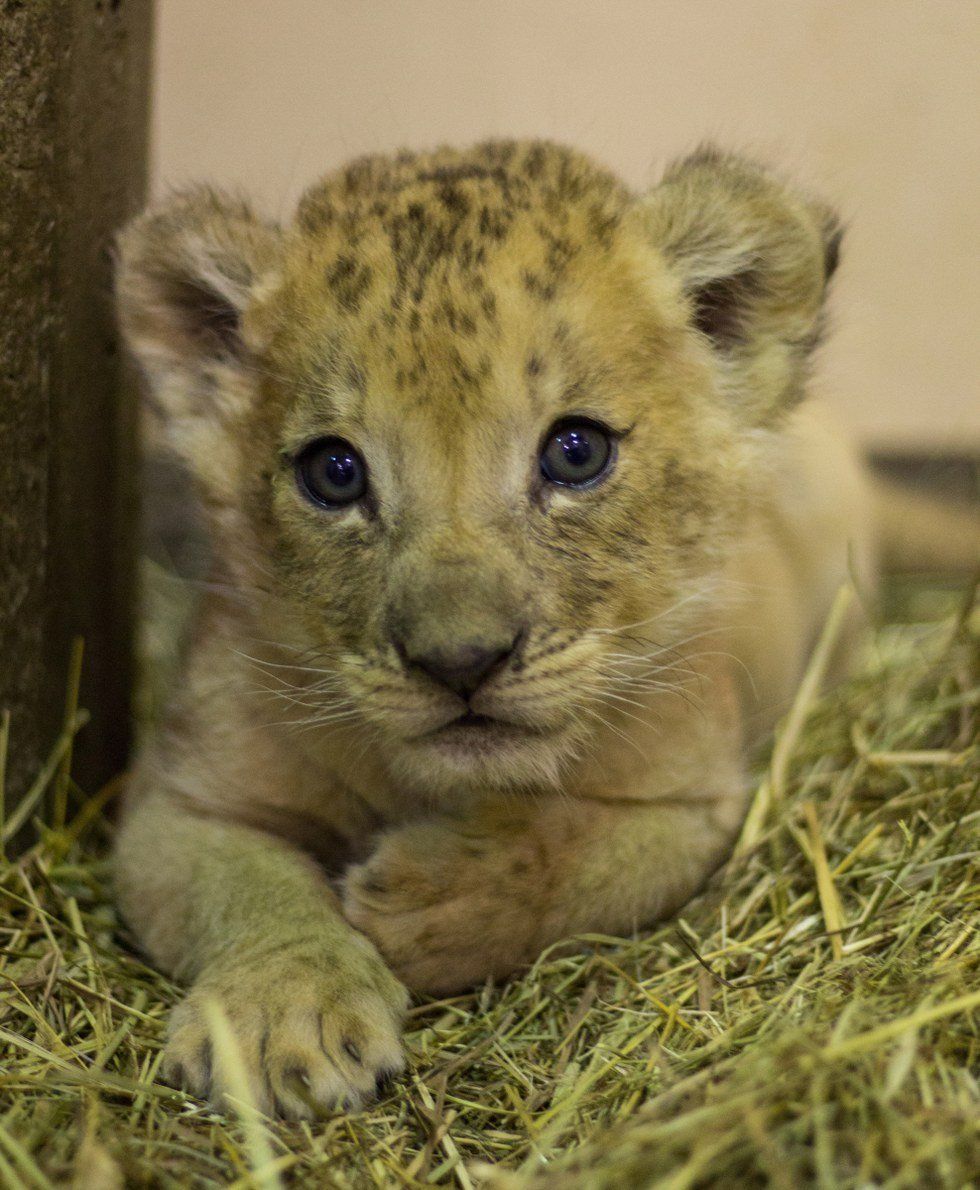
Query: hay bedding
x,y
812,1019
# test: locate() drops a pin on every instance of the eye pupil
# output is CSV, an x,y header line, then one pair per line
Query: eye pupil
x,y
576,454
341,470
576,447
331,472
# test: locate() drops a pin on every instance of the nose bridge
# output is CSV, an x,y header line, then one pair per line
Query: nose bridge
x,y
456,584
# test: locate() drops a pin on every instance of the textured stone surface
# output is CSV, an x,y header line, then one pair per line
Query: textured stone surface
x,y
73,105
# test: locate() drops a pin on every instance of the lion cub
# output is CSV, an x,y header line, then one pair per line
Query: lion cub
x,y
510,486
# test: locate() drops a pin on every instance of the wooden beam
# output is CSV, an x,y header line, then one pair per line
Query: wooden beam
x,y
74,84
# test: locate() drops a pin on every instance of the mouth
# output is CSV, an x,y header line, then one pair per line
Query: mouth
x,y
472,719
471,730
472,724
475,747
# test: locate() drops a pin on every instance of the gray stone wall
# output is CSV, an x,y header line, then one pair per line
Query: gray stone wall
x,y
74,84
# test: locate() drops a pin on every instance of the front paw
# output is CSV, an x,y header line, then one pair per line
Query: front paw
x,y
316,1033
448,909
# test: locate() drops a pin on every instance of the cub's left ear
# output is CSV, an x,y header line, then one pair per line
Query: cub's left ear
x,y
753,257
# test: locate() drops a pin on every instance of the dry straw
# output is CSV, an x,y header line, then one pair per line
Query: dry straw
x,y
812,1019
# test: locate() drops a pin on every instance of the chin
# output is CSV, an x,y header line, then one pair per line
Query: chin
x,y
492,756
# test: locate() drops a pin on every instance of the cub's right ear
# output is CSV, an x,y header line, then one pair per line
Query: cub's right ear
x,y
187,270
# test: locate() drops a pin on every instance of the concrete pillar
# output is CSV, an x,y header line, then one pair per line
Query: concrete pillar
x,y
74,82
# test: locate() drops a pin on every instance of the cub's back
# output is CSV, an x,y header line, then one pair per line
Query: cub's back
x,y
810,533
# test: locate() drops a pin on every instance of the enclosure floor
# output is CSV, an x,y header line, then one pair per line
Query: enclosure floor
x,y
812,1018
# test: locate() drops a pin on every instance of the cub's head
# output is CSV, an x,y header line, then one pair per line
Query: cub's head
x,y
477,428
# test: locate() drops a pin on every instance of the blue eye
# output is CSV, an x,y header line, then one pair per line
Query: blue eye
x,y
576,453
331,472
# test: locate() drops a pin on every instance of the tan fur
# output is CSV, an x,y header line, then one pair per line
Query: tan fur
x,y
441,312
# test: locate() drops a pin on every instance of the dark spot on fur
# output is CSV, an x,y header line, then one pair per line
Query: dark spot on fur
x,y
534,366
447,314
354,376
494,223
315,213
454,200
534,161
341,269
537,287
461,371
602,224
467,256
349,280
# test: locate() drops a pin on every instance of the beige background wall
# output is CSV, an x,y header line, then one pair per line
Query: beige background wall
x,y
876,102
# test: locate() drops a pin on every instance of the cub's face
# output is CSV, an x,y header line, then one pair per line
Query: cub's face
x,y
479,427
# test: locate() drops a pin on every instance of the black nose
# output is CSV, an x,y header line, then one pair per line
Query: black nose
x,y
462,668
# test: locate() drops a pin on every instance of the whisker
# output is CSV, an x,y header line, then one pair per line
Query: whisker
x,y
619,710
308,653
318,720
673,648
620,669
641,686
694,596
286,696
605,693
239,591
594,714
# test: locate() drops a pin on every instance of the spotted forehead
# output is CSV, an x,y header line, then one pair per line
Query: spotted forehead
x,y
436,280
477,191
405,224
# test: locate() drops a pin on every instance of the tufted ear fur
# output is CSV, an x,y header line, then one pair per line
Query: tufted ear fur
x,y
753,257
187,271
